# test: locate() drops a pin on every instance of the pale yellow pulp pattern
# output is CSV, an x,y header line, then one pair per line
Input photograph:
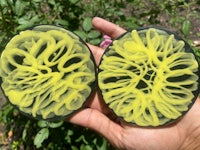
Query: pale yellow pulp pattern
x,y
40,76
147,78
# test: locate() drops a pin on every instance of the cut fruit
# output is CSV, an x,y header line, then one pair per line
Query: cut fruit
x,y
47,72
149,77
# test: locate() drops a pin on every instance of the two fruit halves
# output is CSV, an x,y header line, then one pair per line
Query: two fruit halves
x,y
147,77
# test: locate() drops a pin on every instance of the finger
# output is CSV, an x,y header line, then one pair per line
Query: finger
x,y
97,121
97,103
107,27
97,53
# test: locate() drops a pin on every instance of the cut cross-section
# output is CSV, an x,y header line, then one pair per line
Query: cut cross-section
x,y
149,77
47,72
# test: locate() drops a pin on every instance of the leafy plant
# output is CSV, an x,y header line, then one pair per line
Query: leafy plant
x,y
30,134
88,33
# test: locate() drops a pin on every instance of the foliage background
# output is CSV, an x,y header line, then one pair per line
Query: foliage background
x,y
19,132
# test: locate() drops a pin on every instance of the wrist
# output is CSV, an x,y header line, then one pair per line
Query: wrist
x,y
191,144
192,141
191,127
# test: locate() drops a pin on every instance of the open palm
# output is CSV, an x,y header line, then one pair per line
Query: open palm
x,y
184,134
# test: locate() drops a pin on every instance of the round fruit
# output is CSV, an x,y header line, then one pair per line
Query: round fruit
x,y
47,72
149,77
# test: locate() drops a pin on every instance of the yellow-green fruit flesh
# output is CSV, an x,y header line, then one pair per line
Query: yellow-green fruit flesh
x,y
47,72
148,77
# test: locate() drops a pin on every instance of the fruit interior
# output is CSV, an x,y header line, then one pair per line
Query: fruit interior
x,y
148,78
47,73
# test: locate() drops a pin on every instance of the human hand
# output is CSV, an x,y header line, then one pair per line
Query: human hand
x,y
182,135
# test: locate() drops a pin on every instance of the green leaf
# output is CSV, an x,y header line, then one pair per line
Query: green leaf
x,y
42,123
37,1
24,134
119,13
74,1
2,36
70,132
86,147
93,34
35,19
10,2
42,135
62,22
82,34
95,41
19,8
3,3
23,21
55,124
103,145
52,2
26,23
82,139
74,148
186,27
24,26
87,24
198,34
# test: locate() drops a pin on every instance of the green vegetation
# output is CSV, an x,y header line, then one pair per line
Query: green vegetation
x,y
180,16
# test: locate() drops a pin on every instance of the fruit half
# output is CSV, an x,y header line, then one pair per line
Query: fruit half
x,y
47,72
149,77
